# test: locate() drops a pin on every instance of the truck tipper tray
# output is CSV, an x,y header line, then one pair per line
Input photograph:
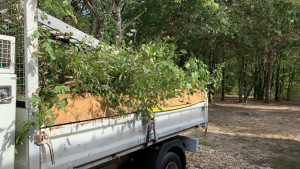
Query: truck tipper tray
x,y
101,140
89,106
87,133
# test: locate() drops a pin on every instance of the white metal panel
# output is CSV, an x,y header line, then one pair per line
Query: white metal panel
x,y
80,143
171,122
103,139
7,124
190,144
206,110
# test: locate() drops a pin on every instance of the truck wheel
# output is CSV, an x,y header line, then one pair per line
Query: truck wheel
x,y
171,161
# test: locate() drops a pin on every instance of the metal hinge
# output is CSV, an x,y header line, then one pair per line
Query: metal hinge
x,y
206,103
6,99
44,138
151,132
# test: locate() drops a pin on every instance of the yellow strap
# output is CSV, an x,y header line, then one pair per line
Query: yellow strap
x,y
174,107
152,116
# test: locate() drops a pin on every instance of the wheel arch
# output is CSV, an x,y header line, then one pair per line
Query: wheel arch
x,y
174,145
180,152
152,157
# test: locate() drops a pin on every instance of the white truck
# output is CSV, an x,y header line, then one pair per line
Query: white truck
x,y
118,142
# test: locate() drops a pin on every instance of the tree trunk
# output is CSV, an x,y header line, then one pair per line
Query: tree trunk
x,y
260,85
282,82
94,28
117,14
277,83
99,23
255,92
288,95
223,84
254,81
273,83
210,92
105,21
263,90
269,76
256,84
242,80
291,80
223,75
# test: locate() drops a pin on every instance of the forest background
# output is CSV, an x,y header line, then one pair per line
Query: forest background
x,y
257,40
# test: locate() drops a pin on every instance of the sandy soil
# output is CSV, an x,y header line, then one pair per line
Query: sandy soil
x,y
252,135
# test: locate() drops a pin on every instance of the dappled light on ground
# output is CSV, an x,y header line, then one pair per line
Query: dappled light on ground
x,y
258,135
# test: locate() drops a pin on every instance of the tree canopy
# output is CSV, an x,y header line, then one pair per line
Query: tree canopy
x,y
258,40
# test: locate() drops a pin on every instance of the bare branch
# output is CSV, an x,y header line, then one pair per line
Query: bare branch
x,y
92,8
134,19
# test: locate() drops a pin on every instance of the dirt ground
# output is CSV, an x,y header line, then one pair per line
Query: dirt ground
x,y
252,135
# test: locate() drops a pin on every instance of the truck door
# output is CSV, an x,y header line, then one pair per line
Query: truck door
x,y
7,101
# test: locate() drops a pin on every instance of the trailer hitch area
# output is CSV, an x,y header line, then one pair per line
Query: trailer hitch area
x,y
42,139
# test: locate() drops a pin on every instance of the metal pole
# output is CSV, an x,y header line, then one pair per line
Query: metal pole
x,y
31,75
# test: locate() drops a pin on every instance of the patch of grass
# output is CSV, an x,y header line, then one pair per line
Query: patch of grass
x,y
295,149
204,143
243,153
283,162
260,162
287,158
277,150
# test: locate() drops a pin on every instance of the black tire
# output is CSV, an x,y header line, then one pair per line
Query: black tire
x,y
171,161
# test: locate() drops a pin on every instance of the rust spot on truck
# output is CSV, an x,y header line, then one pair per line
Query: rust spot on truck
x,y
38,139
84,123
57,127
42,138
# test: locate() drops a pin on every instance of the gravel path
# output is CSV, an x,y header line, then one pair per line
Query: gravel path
x,y
210,158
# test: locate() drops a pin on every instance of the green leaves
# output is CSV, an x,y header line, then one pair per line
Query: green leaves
x,y
61,89
211,3
4,26
44,16
23,133
46,46
183,51
59,7
146,75
36,34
